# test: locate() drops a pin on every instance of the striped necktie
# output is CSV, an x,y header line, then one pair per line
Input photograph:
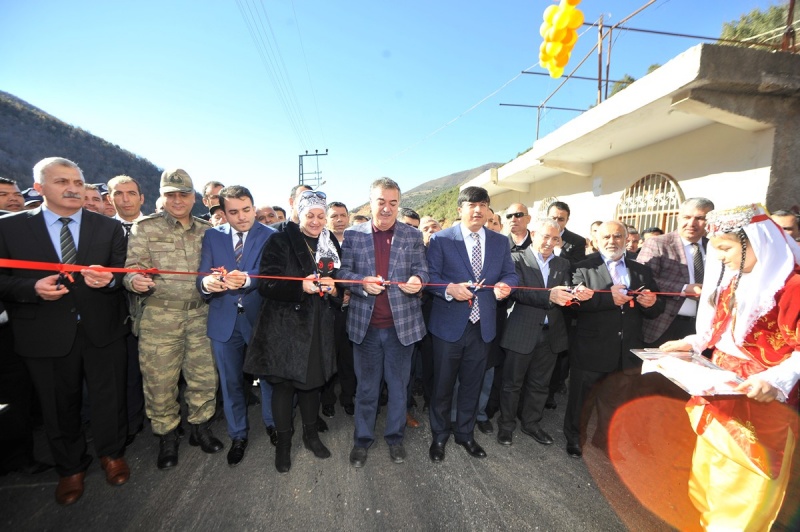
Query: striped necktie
x,y
68,251
239,248
477,267
697,262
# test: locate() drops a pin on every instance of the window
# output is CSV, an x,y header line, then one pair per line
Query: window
x,y
653,201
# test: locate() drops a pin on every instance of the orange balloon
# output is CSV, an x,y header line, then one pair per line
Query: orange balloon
x,y
553,48
562,58
572,3
543,29
570,38
549,13
575,19
554,34
562,17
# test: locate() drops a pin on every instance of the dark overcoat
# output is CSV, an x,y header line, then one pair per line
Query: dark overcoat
x,y
282,338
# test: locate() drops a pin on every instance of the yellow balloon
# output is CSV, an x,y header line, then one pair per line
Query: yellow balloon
x,y
556,72
553,48
543,48
575,19
554,34
562,17
543,29
549,13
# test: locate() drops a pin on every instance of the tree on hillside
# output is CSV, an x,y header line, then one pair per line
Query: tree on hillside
x,y
759,26
620,84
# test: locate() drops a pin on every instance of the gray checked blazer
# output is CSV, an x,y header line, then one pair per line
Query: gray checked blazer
x,y
407,258
523,326
665,257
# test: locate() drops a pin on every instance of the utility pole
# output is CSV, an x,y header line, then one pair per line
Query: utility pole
x,y
316,177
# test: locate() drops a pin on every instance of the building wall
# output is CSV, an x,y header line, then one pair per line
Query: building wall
x,y
727,165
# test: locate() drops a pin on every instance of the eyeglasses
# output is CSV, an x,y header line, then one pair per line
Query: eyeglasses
x,y
311,193
515,215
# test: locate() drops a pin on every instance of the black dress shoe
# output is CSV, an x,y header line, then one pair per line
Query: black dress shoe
x,y
485,426
273,435
472,447
236,453
358,456
202,436
168,450
550,403
505,437
574,450
321,425
436,451
350,410
328,410
539,435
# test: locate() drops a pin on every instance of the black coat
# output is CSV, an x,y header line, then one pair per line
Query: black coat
x,y
605,333
282,337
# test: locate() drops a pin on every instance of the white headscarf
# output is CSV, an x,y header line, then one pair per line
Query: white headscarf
x,y
776,257
325,247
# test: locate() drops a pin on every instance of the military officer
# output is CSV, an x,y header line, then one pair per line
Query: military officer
x,y
172,325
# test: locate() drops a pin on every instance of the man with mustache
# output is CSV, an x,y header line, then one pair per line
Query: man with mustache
x,y
73,326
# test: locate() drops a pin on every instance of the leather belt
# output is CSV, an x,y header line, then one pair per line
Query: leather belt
x,y
685,318
173,305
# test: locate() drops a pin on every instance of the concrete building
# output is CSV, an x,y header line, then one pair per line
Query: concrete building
x,y
716,121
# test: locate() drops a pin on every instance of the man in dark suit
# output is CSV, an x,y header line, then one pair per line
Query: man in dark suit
x,y
463,319
677,261
234,302
609,325
573,246
384,320
535,333
70,328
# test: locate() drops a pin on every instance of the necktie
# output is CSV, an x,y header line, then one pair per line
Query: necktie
x,y
476,263
616,278
697,261
238,248
127,226
68,252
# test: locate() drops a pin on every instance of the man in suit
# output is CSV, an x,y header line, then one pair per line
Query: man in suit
x,y
463,317
573,246
384,320
70,328
677,261
535,333
234,302
609,325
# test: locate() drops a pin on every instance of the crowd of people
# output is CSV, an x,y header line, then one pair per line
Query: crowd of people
x,y
494,314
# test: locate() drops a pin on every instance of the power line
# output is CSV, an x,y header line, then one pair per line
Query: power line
x,y
308,72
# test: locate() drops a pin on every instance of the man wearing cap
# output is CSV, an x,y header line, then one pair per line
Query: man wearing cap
x,y
108,205
70,329
216,215
172,334
32,198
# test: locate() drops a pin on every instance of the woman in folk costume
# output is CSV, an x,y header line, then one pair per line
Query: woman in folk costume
x,y
742,458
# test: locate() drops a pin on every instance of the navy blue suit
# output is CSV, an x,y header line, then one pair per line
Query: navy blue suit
x,y
460,348
229,328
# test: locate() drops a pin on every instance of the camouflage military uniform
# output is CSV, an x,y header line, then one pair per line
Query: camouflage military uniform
x,y
172,334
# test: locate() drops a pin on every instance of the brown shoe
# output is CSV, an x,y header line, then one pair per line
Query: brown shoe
x,y
117,470
70,489
411,422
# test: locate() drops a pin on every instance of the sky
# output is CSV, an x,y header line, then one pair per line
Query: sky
x,y
236,90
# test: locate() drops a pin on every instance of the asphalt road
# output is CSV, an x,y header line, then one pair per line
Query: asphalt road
x,y
523,487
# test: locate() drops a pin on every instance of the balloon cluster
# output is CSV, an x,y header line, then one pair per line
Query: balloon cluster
x,y
559,31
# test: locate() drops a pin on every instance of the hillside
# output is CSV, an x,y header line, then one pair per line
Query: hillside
x,y
30,134
423,193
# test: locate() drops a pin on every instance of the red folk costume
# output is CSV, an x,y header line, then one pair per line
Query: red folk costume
x,y
742,458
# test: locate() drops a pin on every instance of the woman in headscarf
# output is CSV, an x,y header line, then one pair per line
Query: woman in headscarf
x,y
293,344
742,458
